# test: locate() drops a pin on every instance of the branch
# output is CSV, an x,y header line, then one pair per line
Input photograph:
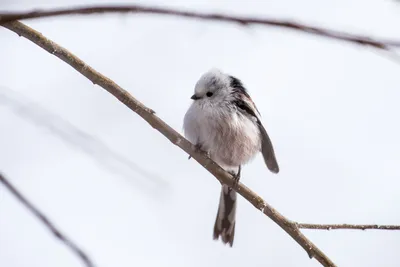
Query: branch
x,y
242,20
149,116
100,152
71,245
346,226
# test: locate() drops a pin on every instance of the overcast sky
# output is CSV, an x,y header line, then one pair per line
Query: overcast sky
x,y
129,197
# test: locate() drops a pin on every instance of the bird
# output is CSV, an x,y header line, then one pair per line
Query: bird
x,y
224,122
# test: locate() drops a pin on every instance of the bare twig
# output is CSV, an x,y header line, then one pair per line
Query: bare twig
x,y
242,20
388,54
149,116
346,226
104,155
71,245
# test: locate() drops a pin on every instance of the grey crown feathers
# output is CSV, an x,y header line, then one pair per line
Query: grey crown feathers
x,y
224,121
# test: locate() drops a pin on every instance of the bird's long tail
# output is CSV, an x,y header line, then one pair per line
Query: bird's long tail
x,y
225,221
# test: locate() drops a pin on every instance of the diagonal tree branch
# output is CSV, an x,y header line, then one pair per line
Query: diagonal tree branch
x,y
57,233
104,155
347,226
339,35
149,116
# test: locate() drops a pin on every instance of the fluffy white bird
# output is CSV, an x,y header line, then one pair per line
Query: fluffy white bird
x,y
224,121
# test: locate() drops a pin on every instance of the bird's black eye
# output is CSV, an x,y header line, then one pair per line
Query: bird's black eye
x,y
209,94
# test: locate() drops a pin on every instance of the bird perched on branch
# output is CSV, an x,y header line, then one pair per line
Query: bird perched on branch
x,y
224,122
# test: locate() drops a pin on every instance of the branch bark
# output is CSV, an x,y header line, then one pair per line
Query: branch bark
x,y
41,217
242,20
347,226
149,116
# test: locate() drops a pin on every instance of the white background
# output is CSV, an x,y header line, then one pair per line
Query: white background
x,y
128,197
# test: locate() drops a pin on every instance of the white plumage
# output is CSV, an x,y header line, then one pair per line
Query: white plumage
x,y
224,122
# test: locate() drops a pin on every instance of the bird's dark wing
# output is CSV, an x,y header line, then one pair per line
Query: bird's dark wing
x,y
268,150
247,106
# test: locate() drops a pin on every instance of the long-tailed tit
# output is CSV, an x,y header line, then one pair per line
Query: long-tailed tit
x,y
224,121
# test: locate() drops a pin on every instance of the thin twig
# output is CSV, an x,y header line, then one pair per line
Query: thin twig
x,y
346,226
149,116
41,217
104,155
242,20
388,54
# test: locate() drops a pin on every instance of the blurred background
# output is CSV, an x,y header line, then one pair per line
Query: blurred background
x,y
128,197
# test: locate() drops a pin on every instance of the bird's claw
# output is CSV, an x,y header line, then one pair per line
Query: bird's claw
x,y
197,148
236,179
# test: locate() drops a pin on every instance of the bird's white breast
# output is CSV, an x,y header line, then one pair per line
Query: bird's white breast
x,y
231,138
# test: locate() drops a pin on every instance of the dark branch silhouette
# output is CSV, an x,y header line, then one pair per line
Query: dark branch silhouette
x,y
292,228
242,20
149,116
41,217
347,226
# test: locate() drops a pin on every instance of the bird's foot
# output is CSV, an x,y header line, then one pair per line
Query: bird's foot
x,y
236,178
197,148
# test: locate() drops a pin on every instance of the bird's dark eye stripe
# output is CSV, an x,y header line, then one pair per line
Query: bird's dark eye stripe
x,y
209,94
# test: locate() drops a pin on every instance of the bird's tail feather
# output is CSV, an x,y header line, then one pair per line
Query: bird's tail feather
x,y
225,221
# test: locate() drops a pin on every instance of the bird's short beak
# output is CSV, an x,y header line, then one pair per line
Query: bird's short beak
x,y
195,97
